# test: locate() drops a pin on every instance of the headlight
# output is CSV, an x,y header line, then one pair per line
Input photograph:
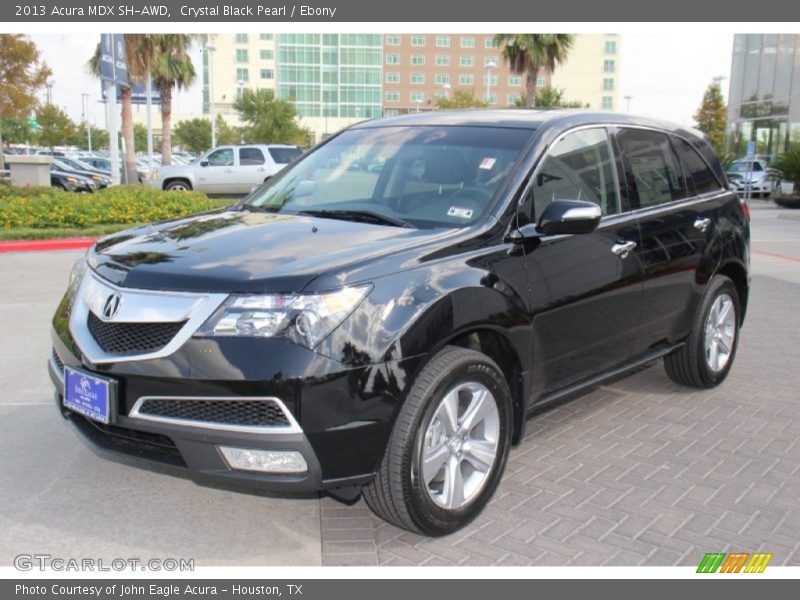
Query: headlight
x,y
154,176
97,177
305,319
76,276
72,179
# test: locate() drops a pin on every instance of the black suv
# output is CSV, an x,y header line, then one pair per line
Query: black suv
x,y
384,315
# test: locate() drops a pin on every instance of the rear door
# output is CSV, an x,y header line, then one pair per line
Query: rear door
x,y
672,197
252,169
586,289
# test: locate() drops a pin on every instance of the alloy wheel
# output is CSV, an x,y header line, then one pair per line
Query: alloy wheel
x,y
720,332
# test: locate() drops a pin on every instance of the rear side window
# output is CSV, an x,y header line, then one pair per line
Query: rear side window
x,y
250,156
657,176
699,174
579,167
283,156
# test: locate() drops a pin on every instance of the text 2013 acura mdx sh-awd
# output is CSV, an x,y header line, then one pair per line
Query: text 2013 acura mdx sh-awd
x,y
384,314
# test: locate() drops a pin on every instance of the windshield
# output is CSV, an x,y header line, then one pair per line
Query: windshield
x,y
283,156
744,167
424,176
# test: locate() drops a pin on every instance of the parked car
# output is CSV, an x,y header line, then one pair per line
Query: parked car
x,y
67,165
70,182
755,175
227,169
389,332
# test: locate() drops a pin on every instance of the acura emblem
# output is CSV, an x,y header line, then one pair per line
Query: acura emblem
x,y
111,306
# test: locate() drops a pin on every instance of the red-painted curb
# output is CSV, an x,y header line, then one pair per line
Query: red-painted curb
x,y
44,245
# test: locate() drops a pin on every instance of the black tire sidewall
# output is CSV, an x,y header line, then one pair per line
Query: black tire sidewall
x,y
186,186
431,517
719,286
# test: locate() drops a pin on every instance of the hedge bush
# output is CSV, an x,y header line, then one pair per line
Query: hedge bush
x,y
42,208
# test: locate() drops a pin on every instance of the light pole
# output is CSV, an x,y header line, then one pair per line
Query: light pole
x,y
49,92
490,64
148,109
446,87
210,49
84,102
416,102
628,103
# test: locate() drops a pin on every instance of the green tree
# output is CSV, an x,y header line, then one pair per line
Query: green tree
x,y
99,138
269,119
551,97
22,74
531,53
139,137
56,126
787,167
461,99
16,130
711,116
225,133
194,134
172,68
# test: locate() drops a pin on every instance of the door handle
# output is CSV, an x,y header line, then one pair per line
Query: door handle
x,y
702,224
261,169
622,249
229,170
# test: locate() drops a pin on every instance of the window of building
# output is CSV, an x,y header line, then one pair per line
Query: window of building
x,y
608,84
250,156
466,61
490,79
701,177
242,74
442,60
466,79
267,74
580,166
416,97
442,41
655,169
392,59
393,96
418,78
467,42
266,54
442,78
391,112
610,47
418,40
241,38
514,80
609,66
540,82
512,99
265,37
490,98
392,40
392,77
487,60
241,55
607,102
417,59
490,43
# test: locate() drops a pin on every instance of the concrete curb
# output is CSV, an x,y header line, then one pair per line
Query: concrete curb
x,y
46,245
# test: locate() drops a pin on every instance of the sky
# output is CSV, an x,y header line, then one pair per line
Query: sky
x,y
665,76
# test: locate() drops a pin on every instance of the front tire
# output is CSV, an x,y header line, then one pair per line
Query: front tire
x,y
448,448
707,357
178,186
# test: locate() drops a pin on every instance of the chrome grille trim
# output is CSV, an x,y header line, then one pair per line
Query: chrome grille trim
x,y
57,365
292,428
137,306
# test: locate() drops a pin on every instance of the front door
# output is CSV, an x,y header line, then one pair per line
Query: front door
x,y
215,175
586,289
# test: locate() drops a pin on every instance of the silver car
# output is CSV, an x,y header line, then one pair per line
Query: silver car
x,y
226,169
755,175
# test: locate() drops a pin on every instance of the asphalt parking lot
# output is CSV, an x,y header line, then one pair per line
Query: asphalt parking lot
x,y
639,471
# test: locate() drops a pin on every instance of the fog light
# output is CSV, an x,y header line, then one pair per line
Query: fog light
x,y
265,461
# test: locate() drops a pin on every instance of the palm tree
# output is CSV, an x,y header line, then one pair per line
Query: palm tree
x,y
139,51
529,53
172,69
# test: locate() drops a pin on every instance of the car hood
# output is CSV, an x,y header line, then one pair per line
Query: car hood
x,y
243,251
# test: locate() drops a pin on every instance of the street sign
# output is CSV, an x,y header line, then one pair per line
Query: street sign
x,y
751,150
113,63
139,95
34,123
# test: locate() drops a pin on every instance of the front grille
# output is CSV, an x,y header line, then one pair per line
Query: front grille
x,y
132,338
250,413
57,360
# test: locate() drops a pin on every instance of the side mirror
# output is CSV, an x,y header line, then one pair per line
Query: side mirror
x,y
203,163
569,217
304,188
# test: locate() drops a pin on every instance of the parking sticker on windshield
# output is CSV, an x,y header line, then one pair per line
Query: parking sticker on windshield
x,y
487,163
461,213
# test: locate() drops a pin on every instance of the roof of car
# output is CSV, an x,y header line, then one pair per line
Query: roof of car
x,y
519,118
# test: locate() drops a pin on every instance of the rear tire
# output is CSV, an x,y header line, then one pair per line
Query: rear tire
x,y
707,357
448,447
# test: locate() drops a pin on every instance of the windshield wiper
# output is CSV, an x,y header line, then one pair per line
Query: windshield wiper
x,y
363,216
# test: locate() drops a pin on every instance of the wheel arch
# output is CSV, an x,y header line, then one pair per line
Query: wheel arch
x,y
737,273
170,180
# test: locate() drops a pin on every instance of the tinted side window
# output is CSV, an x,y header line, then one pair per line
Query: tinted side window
x,y
221,158
250,156
656,174
579,167
696,169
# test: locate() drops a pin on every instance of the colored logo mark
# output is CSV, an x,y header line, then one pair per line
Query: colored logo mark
x,y
734,562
